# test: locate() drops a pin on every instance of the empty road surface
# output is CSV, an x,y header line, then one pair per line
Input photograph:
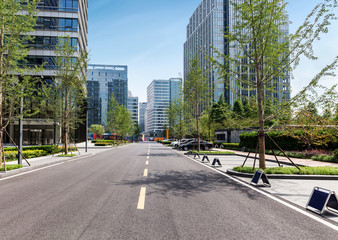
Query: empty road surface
x,y
144,191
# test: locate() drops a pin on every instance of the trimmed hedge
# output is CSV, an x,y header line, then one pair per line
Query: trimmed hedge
x,y
13,155
286,142
292,170
249,140
50,149
103,144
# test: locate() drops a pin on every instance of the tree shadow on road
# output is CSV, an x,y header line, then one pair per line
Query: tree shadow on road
x,y
190,183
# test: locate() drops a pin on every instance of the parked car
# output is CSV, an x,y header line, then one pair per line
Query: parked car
x,y
179,142
193,145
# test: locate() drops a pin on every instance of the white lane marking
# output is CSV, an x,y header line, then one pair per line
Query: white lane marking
x,y
145,173
141,199
35,170
147,157
147,162
328,224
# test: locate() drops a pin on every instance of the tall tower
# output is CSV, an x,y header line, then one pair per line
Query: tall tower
x,y
204,31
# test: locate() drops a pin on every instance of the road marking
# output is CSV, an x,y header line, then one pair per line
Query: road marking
x,y
298,209
145,173
147,162
141,199
35,170
147,157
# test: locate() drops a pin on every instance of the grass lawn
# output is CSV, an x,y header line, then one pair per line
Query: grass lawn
x,y
11,167
292,170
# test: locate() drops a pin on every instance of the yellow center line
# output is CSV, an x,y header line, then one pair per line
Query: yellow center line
x,y
141,199
147,162
145,173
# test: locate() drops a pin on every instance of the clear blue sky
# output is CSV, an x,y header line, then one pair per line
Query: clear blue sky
x,y
148,37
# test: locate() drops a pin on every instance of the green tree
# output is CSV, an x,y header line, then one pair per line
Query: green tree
x,y
177,113
196,93
97,129
264,53
238,110
137,131
124,122
219,111
66,97
17,19
111,115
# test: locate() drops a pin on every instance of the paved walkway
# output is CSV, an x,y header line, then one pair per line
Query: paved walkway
x,y
49,160
284,160
296,191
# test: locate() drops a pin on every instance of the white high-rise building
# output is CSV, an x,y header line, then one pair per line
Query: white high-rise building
x,y
159,95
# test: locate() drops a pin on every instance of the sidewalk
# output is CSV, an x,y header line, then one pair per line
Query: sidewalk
x,y
50,160
296,191
284,160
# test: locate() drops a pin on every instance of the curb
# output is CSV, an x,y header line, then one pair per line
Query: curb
x,y
33,167
285,176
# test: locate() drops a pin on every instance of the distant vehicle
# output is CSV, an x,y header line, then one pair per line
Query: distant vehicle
x,y
193,145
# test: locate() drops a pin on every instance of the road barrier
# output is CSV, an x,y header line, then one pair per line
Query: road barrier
x,y
205,157
260,175
322,199
216,160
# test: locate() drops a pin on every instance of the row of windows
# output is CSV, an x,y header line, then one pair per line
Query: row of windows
x,y
59,5
43,42
51,23
47,61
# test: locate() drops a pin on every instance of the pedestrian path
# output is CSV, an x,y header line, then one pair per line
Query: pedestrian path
x,y
284,160
53,159
296,191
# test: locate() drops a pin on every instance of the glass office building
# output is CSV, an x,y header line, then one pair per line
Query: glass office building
x,y
55,19
159,95
205,29
102,82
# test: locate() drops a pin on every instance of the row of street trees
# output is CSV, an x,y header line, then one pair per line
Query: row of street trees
x,y
61,101
264,55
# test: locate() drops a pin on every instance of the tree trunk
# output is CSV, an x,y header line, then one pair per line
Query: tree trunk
x,y
261,136
65,137
198,135
1,82
1,144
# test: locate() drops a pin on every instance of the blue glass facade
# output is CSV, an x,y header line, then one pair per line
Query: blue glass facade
x,y
102,82
204,31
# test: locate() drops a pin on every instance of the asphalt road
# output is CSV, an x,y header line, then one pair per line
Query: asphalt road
x,y
100,197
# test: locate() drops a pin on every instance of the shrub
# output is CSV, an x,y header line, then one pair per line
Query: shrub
x,y
325,158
